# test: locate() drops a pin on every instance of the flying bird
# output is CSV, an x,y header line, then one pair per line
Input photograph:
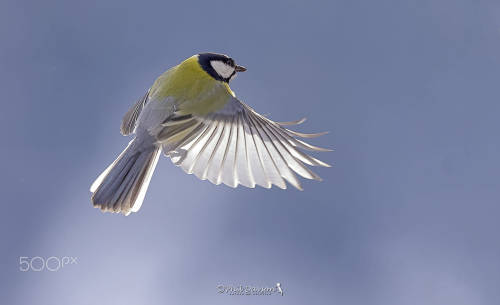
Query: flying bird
x,y
192,115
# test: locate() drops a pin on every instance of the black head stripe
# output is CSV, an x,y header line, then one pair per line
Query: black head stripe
x,y
205,58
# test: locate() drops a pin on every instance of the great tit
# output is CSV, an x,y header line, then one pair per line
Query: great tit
x,y
192,115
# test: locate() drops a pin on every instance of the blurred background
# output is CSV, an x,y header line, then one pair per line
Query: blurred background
x,y
408,214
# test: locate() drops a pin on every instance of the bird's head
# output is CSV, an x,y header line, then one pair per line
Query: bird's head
x,y
219,66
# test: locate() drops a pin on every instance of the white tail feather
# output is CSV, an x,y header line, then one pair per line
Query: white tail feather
x,y
121,187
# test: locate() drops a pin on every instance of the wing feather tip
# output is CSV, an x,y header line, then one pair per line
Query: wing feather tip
x,y
289,123
307,135
324,149
267,186
324,164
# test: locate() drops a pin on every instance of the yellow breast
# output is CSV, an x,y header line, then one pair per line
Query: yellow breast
x,y
193,90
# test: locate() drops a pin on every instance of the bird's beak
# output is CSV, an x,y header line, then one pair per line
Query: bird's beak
x,y
240,68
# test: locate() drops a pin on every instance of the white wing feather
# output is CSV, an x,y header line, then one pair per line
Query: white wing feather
x,y
236,145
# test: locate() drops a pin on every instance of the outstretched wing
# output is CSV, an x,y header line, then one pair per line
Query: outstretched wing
x,y
236,145
129,121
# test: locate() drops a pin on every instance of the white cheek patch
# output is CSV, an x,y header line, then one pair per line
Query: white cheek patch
x,y
221,68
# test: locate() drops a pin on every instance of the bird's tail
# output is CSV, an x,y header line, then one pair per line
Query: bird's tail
x,y
122,186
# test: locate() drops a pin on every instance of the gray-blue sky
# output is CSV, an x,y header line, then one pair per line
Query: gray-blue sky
x,y
408,214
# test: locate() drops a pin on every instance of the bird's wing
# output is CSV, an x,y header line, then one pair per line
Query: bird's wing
x,y
236,145
129,121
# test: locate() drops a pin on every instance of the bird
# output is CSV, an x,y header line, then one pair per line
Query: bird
x,y
191,115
